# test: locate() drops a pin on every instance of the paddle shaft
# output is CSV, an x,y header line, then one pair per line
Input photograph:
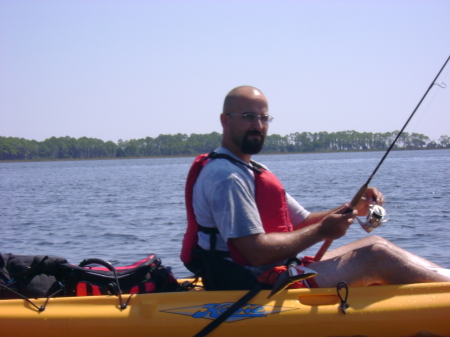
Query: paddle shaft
x,y
363,189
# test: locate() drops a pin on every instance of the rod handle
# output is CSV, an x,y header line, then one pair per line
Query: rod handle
x,y
357,198
352,205
322,250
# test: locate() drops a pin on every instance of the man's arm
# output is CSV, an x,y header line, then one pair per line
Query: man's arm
x,y
371,196
259,249
314,218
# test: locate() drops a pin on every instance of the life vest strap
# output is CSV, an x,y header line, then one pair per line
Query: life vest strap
x,y
211,231
208,230
254,167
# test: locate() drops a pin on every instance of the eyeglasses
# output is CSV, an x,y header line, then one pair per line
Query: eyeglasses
x,y
252,117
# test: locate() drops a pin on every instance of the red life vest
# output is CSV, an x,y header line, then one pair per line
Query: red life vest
x,y
270,199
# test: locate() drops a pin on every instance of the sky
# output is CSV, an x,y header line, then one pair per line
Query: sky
x,y
126,70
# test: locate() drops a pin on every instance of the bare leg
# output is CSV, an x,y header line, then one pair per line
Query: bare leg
x,y
373,240
373,260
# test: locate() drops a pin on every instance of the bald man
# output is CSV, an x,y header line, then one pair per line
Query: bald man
x,y
242,224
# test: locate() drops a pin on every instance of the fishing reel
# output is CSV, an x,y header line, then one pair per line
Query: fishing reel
x,y
375,218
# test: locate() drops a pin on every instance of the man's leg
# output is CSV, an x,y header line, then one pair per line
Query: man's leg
x,y
373,260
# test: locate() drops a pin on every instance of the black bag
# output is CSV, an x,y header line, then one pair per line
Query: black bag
x,y
30,276
145,276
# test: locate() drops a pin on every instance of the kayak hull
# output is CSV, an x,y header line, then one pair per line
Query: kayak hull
x,y
398,310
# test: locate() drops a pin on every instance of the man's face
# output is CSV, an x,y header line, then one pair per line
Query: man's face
x,y
248,136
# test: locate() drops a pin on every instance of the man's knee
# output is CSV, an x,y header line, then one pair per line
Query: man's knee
x,y
379,247
377,242
374,239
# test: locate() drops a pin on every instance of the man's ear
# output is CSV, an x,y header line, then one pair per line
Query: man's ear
x,y
224,120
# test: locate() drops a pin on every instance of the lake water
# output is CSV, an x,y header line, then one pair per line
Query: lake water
x,y
122,210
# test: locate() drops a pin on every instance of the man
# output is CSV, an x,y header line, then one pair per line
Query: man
x,y
246,224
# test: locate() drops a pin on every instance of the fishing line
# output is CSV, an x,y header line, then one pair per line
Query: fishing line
x,y
364,187
442,85
404,126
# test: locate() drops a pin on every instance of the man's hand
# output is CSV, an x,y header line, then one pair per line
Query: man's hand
x,y
372,196
335,225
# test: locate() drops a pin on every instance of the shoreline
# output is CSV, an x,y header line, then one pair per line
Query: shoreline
x,y
194,155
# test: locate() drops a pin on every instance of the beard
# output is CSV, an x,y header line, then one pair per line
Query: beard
x,y
252,145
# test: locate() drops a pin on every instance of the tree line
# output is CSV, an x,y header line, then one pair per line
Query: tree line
x,y
12,148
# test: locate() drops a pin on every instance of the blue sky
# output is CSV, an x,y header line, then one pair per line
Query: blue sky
x,y
131,69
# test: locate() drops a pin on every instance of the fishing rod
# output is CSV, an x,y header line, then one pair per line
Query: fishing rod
x,y
377,213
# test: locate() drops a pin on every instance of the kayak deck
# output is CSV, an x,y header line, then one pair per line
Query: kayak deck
x,y
397,310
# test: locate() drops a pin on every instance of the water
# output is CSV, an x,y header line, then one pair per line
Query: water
x,y
123,210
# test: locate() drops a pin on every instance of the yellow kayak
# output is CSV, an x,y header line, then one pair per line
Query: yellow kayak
x,y
396,310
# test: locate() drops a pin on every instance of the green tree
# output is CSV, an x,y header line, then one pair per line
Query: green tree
x,y
444,141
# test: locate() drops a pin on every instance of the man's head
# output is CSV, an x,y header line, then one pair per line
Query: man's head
x,y
243,132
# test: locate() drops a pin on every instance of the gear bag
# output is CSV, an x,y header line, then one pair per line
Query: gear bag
x,y
42,276
145,276
30,276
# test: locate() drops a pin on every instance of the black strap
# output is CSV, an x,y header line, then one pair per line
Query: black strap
x,y
230,311
208,230
255,166
212,231
344,304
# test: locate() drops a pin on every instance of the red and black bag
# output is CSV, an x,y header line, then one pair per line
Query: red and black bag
x,y
145,276
23,276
